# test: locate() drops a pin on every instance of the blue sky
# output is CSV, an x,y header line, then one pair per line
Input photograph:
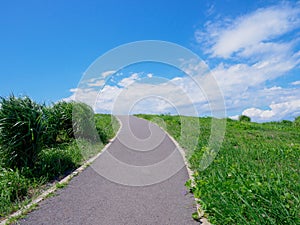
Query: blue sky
x,y
252,49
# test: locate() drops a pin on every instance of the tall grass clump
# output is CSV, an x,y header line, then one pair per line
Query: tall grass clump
x,y
22,128
58,123
84,122
66,121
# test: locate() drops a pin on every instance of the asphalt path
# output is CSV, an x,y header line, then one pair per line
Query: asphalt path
x,y
139,179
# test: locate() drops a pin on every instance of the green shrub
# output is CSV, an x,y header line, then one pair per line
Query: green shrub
x,y
297,121
286,122
244,118
105,126
83,122
63,112
67,120
58,122
21,129
56,161
13,188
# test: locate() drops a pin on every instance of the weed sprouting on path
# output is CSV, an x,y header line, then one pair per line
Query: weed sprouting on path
x,y
255,178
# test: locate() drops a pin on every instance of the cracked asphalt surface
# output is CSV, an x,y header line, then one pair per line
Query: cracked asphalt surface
x,y
129,183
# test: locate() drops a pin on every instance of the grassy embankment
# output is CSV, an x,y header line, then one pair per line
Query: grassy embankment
x,y
255,177
38,145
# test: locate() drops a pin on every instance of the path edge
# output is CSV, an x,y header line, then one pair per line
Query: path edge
x,y
200,211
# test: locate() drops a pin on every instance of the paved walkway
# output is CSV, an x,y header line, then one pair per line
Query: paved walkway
x,y
138,180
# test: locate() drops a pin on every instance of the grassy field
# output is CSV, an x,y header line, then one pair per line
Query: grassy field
x,y
38,146
255,177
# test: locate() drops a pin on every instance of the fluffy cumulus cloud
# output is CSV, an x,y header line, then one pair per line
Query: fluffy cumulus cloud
x,y
252,51
157,95
129,80
248,33
108,73
297,82
276,111
278,104
148,94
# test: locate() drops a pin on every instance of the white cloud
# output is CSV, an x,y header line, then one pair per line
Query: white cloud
x,y
106,98
258,47
85,95
159,97
235,117
108,73
194,68
277,111
97,83
251,39
263,49
275,88
211,9
249,32
272,104
259,114
296,82
179,95
237,78
73,90
129,80
99,100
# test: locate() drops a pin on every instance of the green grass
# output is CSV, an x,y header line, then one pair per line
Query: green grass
x,y
55,162
107,127
13,187
38,146
254,178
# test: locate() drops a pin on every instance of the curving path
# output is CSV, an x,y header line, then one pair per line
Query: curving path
x,y
139,179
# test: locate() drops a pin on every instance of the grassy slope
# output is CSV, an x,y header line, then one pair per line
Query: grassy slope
x,y
254,179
